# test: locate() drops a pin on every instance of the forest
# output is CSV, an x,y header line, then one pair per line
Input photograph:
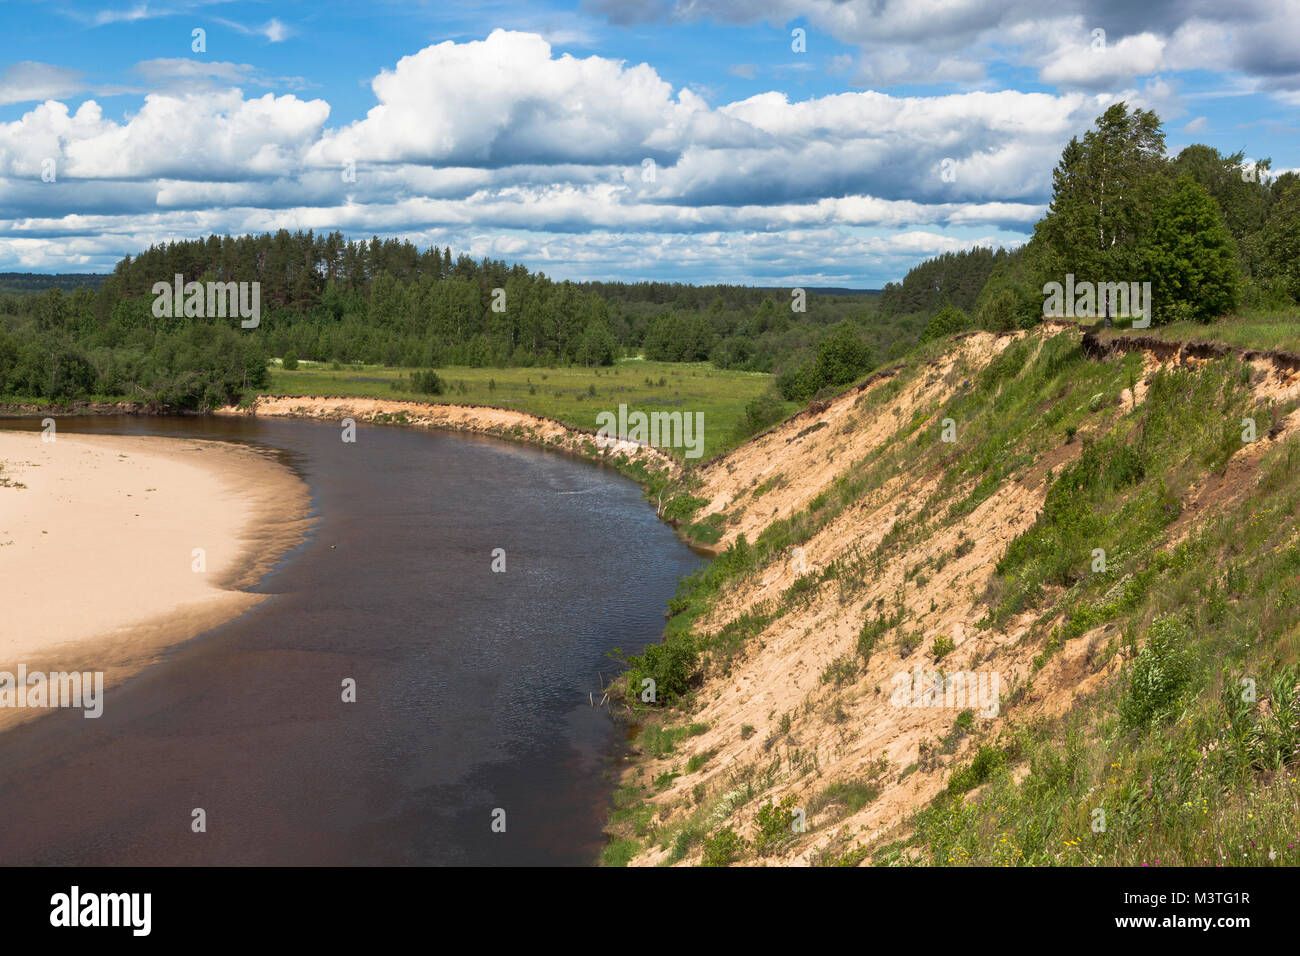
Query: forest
x,y
1210,233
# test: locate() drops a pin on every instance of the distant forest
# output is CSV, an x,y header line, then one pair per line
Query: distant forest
x,y
27,282
385,302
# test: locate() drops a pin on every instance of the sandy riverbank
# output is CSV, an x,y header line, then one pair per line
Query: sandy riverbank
x,y
97,546
474,419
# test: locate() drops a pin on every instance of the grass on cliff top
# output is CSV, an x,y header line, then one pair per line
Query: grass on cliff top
x,y
574,396
1252,329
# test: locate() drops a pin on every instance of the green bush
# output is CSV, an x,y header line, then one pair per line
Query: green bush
x,y
1158,674
947,321
842,357
722,848
671,665
761,413
427,382
775,825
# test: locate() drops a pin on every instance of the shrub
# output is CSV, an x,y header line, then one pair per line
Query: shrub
x,y
427,382
619,852
775,824
987,760
671,665
947,321
763,412
722,848
1158,674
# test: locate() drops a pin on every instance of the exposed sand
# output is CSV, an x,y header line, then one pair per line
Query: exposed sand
x,y
777,724
477,419
97,563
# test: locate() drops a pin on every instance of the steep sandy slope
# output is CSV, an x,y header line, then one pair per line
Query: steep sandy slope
x,y
780,471
796,713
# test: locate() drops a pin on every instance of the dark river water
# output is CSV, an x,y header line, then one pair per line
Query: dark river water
x,y
472,686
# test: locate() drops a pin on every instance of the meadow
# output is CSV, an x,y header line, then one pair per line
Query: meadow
x,y
573,395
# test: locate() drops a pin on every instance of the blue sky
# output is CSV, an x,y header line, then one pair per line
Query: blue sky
x,y
526,131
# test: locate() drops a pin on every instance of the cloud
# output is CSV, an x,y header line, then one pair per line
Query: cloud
x,y
183,75
28,82
1094,62
591,162
273,30
958,40
507,100
198,136
140,11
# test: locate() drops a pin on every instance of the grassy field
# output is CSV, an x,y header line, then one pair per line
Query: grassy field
x,y
571,395
1253,329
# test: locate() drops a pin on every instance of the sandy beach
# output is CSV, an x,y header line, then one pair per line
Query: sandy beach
x,y
98,539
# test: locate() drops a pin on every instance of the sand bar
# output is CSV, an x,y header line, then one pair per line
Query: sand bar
x,y
97,546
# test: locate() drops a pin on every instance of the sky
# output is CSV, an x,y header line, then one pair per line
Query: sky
x,y
767,142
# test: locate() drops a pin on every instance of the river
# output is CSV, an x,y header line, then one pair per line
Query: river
x,y
472,686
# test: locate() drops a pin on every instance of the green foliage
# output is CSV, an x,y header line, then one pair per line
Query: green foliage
x,y
775,825
1100,191
1279,240
428,382
986,760
956,277
290,361
659,740
671,665
619,852
675,337
1189,256
723,848
762,413
1158,675
947,321
842,357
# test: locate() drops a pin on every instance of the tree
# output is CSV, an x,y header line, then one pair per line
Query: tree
x,y
1280,238
1189,256
1242,194
947,321
841,358
597,346
1101,191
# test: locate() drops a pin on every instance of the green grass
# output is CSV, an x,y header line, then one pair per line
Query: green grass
x,y
564,394
658,740
1252,329
619,852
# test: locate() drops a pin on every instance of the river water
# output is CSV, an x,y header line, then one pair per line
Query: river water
x,y
472,686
